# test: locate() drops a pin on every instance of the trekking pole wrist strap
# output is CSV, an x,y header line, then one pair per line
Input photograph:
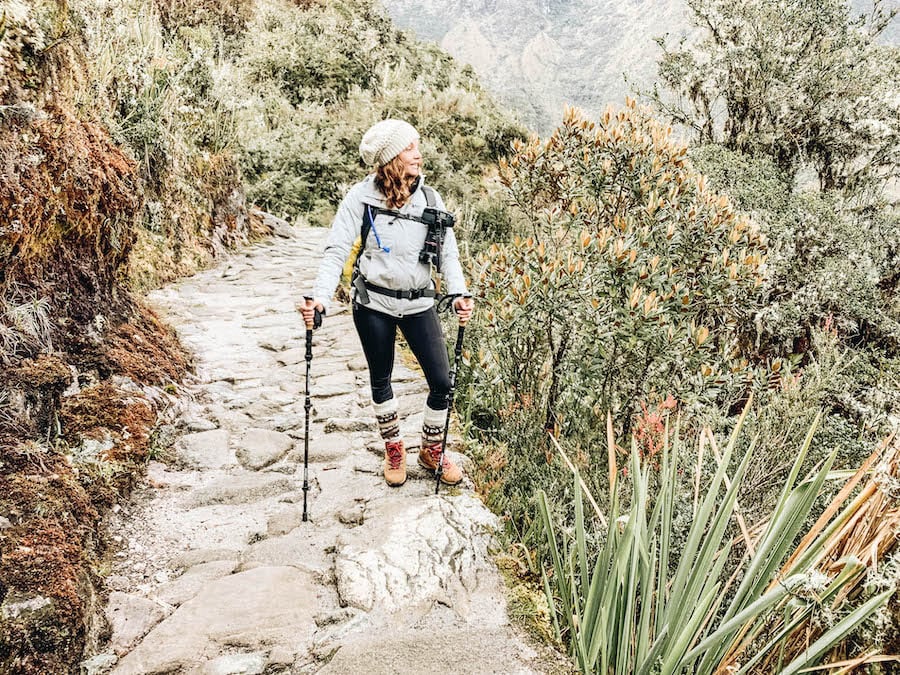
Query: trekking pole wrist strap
x,y
448,301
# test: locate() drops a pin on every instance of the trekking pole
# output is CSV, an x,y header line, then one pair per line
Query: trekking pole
x,y
457,354
315,323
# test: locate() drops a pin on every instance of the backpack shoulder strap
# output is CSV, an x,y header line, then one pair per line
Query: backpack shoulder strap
x,y
370,212
363,232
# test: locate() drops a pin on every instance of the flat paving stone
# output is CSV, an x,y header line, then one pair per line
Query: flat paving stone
x,y
265,605
194,580
348,425
130,618
242,489
206,449
258,448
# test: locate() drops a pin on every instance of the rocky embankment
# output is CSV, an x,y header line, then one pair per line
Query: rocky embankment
x,y
217,573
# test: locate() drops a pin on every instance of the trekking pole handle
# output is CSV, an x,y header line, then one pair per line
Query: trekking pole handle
x,y
310,322
316,321
465,296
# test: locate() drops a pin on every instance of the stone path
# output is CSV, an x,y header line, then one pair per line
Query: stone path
x,y
218,574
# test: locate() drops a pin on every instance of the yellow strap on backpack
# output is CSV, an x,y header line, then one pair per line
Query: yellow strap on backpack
x,y
347,272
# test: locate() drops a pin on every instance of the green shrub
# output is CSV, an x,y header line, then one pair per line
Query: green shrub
x,y
311,83
830,259
311,56
807,84
228,16
157,71
626,282
828,326
629,281
23,37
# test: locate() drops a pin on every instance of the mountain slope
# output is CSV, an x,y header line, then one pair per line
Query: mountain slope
x,y
538,55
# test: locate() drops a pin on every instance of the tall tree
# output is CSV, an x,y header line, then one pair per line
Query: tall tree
x,y
801,81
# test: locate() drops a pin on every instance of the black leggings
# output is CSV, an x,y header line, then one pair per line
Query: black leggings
x,y
377,332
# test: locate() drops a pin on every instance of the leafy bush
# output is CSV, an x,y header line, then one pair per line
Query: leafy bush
x,y
829,258
309,85
22,37
804,83
630,280
828,324
160,92
230,16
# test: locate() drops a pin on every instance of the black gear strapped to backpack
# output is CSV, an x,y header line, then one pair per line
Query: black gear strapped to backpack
x,y
437,222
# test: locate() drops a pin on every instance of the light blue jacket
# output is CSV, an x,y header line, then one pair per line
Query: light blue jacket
x,y
395,262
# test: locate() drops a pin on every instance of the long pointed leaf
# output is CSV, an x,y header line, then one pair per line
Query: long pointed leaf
x,y
783,527
681,640
559,572
668,499
698,526
551,604
851,570
580,545
754,609
836,633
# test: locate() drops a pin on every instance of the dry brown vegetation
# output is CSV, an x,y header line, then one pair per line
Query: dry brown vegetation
x,y
69,199
868,519
144,349
71,204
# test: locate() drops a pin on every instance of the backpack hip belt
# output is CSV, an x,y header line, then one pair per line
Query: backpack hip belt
x,y
411,294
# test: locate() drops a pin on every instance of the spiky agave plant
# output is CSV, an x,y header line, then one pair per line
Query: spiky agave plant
x,y
629,614
860,528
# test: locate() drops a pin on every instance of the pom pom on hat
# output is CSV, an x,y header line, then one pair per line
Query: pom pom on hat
x,y
385,140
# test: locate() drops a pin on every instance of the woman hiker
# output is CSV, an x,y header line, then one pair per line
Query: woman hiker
x,y
393,286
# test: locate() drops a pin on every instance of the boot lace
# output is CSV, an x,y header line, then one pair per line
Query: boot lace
x,y
394,451
434,450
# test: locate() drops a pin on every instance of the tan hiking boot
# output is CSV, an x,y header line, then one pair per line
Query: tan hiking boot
x,y
394,463
429,456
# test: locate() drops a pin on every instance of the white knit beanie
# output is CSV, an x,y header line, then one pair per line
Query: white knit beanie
x,y
385,140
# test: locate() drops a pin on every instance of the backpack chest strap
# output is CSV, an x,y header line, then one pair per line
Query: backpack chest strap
x,y
371,211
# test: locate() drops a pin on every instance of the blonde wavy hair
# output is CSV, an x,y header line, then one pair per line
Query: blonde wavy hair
x,y
394,184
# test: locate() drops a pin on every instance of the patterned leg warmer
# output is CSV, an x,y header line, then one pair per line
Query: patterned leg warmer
x,y
433,426
388,423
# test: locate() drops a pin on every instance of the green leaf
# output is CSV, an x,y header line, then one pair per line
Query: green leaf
x,y
836,633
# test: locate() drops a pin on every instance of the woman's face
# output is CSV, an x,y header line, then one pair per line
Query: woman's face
x,y
412,160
